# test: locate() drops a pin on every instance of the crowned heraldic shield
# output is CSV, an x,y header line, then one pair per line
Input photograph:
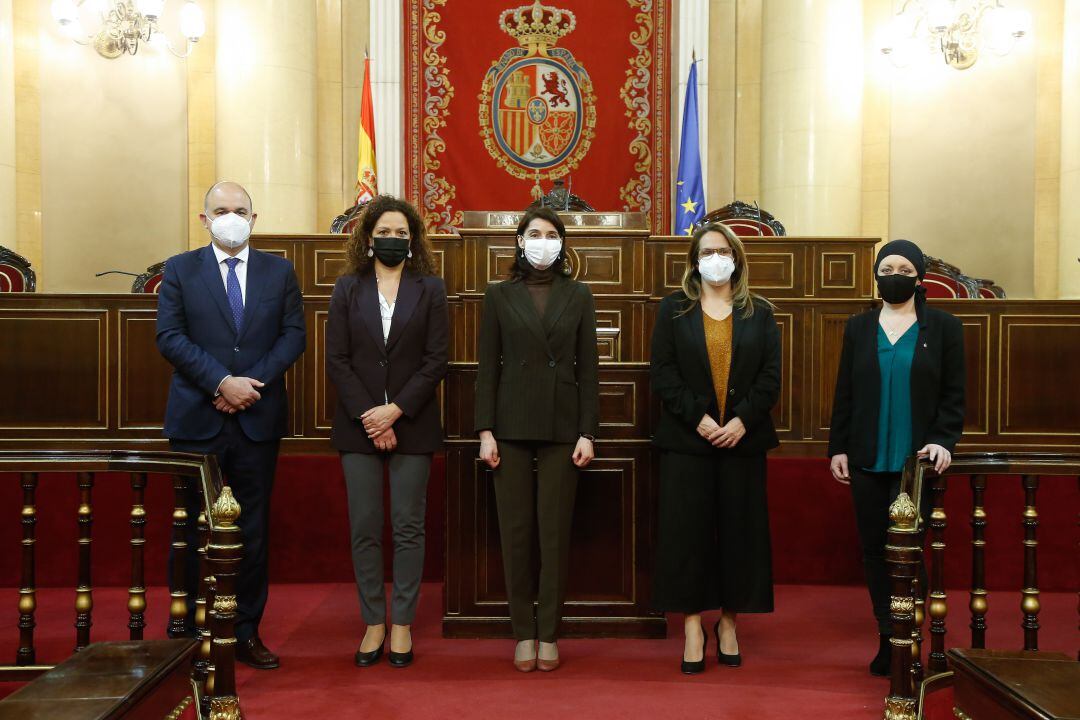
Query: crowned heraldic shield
x,y
537,107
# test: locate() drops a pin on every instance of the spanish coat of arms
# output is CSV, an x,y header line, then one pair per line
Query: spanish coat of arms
x,y
537,107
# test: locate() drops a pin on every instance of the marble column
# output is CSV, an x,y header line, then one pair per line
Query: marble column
x,y
1069,242
265,106
7,125
386,95
811,115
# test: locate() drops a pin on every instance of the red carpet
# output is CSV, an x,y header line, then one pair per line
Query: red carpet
x,y
808,658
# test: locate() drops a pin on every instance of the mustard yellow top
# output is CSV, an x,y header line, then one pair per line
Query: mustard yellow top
x,y
718,343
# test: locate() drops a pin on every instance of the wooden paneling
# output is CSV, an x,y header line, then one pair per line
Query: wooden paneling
x,y
1039,374
143,375
56,363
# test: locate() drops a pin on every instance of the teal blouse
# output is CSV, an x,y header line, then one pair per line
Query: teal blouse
x,y
894,420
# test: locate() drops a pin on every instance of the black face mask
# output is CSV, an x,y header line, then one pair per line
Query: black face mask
x,y
391,251
896,289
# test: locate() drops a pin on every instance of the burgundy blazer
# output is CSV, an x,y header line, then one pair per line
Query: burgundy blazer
x,y
408,367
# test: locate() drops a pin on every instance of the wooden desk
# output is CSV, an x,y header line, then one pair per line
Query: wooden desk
x,y
1014,685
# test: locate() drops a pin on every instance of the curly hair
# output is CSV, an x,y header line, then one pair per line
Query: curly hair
x,y
357,260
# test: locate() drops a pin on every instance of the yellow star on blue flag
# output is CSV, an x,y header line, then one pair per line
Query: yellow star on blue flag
x,y
689,188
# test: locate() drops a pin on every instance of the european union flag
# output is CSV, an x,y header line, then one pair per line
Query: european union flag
x,y
689,191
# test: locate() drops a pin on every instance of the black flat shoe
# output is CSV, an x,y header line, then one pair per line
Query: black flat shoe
x,y
695,668
400,660
722,657
367,659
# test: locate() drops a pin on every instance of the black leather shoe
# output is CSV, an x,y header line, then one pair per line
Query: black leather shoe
x,y
400,660
722,657
881,665
253,653
367,659
695,668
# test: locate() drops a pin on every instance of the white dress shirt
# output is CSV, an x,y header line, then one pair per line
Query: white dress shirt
x,y
241,268
386,313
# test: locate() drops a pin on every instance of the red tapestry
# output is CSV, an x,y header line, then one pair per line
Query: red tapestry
x,y
502,99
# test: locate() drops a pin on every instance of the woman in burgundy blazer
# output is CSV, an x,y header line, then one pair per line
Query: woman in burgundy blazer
x,y
386,353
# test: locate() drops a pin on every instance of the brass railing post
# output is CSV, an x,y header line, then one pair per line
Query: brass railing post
x,y
902,553
1029,604
938,604
178,581
84,593
979,602
223,555
26,654
137,591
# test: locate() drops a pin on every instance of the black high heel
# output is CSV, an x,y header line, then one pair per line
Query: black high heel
x,y
367,659
696,668
722,657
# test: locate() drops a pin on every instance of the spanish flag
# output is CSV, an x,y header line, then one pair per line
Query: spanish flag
x,y
367,185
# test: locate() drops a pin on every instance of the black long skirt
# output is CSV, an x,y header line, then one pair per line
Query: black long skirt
x,y
713,547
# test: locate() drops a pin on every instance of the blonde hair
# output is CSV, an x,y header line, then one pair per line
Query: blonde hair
x,y
741,297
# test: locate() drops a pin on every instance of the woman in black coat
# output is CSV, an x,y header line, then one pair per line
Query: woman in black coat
x,y
387,337
716,369
899,391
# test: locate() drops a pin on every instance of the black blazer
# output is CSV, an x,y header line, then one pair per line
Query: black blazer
x,y
937,386
537,377
408,366
197,336
682,379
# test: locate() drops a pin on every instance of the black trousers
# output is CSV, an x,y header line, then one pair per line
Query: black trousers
x,y
873,493
248,468
535,506
713,546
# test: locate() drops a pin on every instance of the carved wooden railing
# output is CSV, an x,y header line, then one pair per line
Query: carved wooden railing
x,y
904,554
213,671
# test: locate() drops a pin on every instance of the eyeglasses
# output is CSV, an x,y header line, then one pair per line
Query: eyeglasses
x,y
709,252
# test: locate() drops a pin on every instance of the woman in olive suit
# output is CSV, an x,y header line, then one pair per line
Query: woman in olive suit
x,y
536,398
716,369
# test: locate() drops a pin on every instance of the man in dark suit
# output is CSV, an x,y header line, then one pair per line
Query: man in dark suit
x,y
231,322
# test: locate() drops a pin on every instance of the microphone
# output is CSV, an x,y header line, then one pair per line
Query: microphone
x,y
116,272
758,208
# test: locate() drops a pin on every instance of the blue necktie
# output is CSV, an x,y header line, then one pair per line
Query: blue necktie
x,y
232,289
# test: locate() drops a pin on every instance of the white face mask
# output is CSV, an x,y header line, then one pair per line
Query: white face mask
x,y
542,252
716,269
230,230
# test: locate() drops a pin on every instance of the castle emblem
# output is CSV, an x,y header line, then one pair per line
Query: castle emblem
x,y
537,107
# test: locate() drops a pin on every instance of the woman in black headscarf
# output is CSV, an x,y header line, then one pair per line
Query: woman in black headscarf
x,y
899,391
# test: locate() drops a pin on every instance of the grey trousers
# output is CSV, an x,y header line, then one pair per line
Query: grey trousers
x,y
408,501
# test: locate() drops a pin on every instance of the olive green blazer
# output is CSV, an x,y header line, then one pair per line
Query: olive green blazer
x,y
537,378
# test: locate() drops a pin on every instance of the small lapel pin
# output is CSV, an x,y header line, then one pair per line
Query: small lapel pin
x,y
924,344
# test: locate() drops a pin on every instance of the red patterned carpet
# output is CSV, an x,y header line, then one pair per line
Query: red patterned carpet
x,y
808,657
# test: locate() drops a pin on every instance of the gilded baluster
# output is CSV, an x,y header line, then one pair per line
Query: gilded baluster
x,y
223,556
137,591
902,555
1029,604
27,655
939,607
84,594
202,627
178,581
918,593
978,602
